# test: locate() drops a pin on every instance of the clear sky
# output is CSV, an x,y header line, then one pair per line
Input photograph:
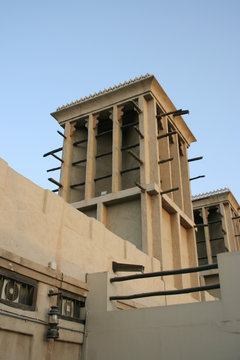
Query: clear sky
x,y
54,52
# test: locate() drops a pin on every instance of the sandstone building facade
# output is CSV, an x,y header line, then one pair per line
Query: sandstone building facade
x,y
124,204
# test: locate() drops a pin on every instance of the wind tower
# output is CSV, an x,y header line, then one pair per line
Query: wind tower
x,y
124,162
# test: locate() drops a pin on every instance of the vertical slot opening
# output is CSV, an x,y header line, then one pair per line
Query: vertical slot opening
x,y
130,141
216,232
79,157
103,177
200,238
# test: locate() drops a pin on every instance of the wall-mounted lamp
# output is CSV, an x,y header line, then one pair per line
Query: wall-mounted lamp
x,y
53,321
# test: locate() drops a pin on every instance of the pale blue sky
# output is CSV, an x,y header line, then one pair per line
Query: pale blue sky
x,y
54,52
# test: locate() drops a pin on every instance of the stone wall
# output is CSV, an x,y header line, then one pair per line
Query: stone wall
x,y
47,240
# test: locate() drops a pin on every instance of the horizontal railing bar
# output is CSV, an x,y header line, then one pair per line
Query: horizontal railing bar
x,y
75,185
129,147
130,124
214,239
182,112
128,170
104,133
165,273
53,169
195,159
167,134
235,217
168,292
197,177
80,142
52,152
79,162
168,191
103,154
103,177
174,113
168,113
209,223
164,161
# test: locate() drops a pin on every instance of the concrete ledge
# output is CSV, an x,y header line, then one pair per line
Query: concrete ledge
x,y
41,273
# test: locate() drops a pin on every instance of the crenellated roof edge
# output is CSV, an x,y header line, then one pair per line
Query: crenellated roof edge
x,y
105,91
210,193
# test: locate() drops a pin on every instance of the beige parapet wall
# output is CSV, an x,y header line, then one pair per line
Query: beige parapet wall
x,y
197,331
41,227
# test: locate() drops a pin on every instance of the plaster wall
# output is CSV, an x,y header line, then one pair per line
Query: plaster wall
x,y
167,243
185,332
40,226
130,226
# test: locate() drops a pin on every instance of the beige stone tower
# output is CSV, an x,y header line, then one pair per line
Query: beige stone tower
x,y
125,163
217,218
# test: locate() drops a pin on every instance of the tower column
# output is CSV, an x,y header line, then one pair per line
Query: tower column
x,y
91,160
186,188
147,241
66,157
228,227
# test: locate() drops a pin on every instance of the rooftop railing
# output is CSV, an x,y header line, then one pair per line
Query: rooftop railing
x,y
166,273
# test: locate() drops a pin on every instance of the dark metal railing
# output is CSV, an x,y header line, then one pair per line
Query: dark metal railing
x,y
53,152
129,124
168,292
196,158
209,223
79,162
165,273
80,142
129,147
197,177
128,170
104,133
